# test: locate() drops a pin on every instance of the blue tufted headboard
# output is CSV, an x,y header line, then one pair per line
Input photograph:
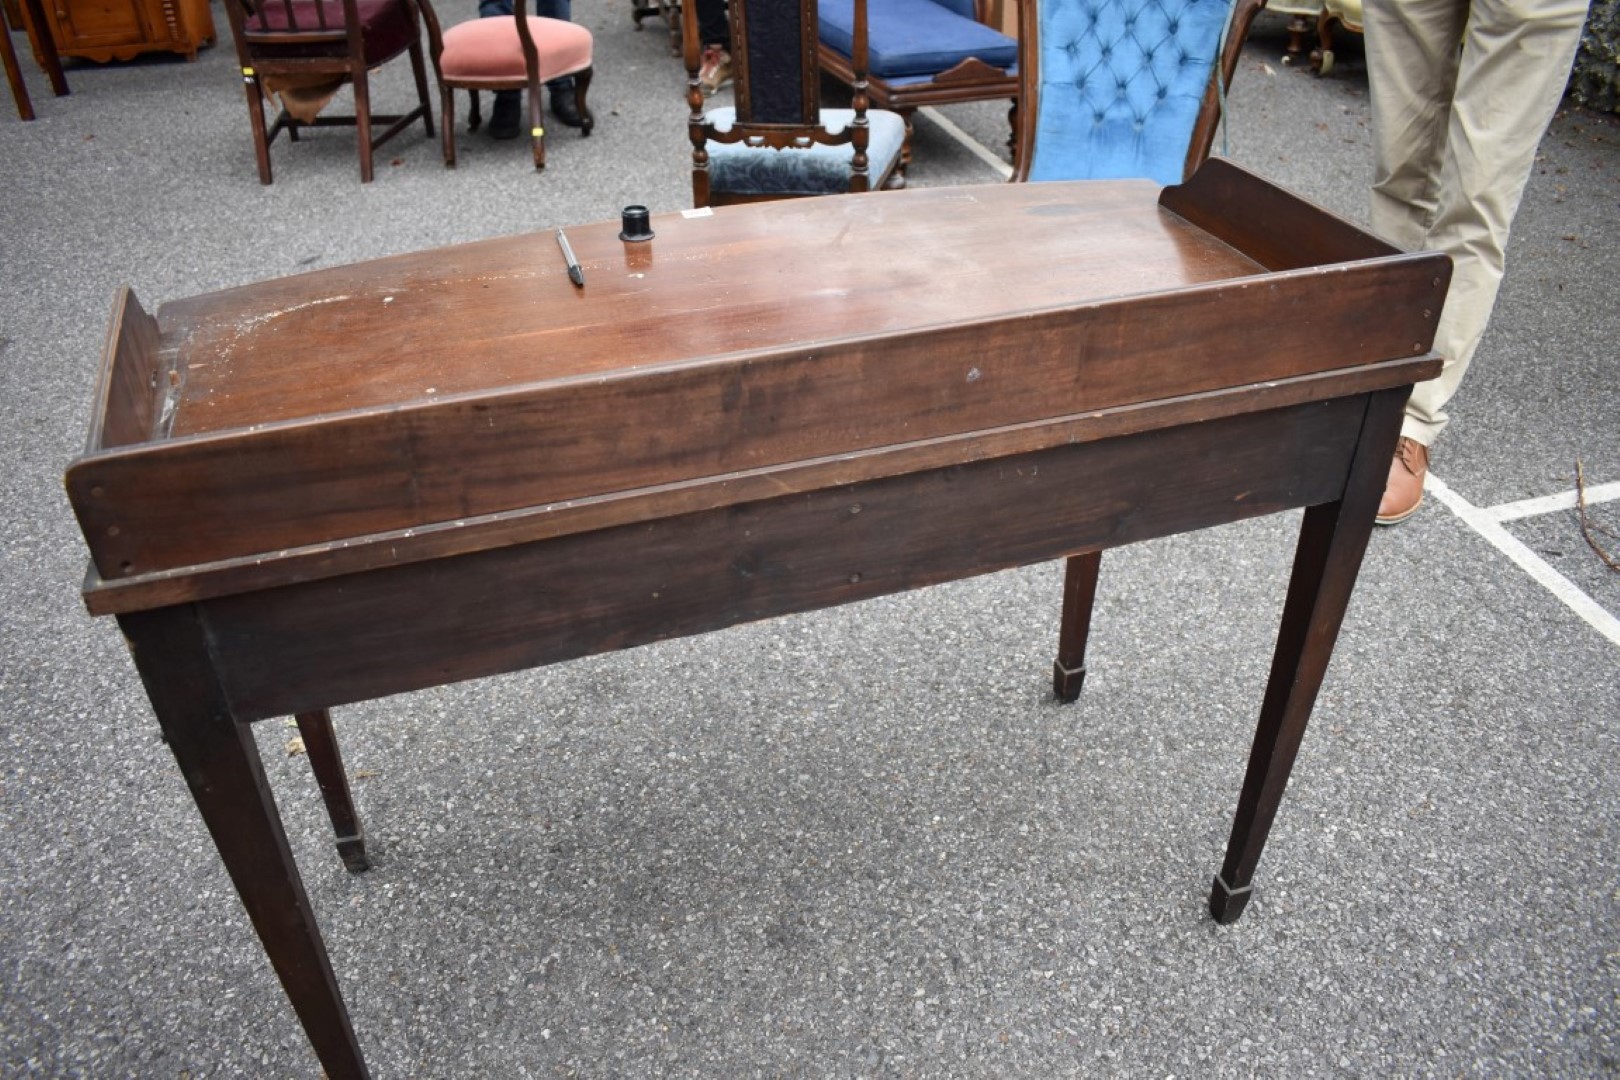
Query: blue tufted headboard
x,y
1123,88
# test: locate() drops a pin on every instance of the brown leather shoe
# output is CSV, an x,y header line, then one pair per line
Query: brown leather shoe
x,y
1403,491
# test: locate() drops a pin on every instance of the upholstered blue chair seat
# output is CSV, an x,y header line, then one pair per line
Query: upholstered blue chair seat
x,y
915,37
901,82
1121,85
740,169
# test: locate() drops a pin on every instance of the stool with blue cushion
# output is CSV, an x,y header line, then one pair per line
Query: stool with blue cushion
x,y
777,142
1116,89
923,52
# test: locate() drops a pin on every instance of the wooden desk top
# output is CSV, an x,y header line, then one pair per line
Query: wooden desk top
x,y
450,400
502,313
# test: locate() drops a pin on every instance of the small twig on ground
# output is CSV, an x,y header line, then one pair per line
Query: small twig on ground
x,y
1586,525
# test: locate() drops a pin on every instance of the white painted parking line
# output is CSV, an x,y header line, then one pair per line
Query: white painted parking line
x,y
1484,523
1551,504
978,149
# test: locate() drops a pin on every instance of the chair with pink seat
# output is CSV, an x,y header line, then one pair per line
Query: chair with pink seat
x,y
517,53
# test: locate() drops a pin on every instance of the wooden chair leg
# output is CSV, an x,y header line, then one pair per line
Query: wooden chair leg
x,y
261,137
419,69
1298,28
19,89
475,114
1079,593
582,87
669,11
44,46
320,743
537,125
447,124
362,123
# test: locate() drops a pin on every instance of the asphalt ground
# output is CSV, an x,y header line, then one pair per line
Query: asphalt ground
x,y
864,842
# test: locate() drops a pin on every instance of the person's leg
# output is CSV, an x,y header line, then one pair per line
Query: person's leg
x,y
564,101
1516,57
1462,93
556,9
1411,75
713,27
505,120
1412,51
714,32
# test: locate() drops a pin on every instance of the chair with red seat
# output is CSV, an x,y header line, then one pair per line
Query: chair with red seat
x,y
517,53
307,49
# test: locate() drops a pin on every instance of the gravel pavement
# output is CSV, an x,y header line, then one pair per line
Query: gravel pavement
x,y
864,842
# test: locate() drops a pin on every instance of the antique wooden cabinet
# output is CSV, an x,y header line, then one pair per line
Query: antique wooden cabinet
x,y
103,30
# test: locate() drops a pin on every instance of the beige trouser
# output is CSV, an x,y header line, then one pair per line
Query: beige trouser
x,y
1462,92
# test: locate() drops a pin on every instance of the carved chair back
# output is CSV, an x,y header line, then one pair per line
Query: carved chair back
x,y
777,93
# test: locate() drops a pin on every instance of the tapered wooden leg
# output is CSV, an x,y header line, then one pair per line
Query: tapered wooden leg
x,y
220,762
1332,541
447,122
362,123
19,89
44,46
321,745
261,136
1298,28
537,124
582,92
1079,592
419,69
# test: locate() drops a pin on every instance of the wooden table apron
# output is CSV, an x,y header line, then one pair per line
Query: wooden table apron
x,y
286,565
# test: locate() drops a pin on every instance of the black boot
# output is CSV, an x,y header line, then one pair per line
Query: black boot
x,y
565,106
506,121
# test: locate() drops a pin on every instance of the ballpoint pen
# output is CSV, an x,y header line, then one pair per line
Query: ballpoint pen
x,y
576,273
